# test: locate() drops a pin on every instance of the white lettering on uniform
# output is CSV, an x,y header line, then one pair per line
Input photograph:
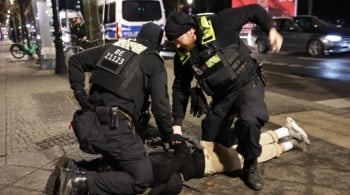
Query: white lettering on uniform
x,y
116,56
119,52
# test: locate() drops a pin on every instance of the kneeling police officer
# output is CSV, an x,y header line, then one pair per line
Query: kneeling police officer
x,y
123,75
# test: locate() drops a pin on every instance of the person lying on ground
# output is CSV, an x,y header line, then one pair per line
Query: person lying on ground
x,y
171,168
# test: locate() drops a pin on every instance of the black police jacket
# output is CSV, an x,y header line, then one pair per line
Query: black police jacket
x,y
155,85
227,25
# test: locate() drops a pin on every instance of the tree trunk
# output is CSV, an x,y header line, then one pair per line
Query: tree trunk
x,y
92,19
309,7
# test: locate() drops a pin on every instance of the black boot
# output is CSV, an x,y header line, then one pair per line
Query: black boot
x,y
72,180
251,175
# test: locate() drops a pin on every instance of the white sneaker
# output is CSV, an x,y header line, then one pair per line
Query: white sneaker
x,y
295,131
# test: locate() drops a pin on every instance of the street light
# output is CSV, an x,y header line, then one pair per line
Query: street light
x,y
13,28
60,63
189,2
14,25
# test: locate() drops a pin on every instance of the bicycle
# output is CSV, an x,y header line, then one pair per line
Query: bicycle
x,y
70,49
78,45
18,50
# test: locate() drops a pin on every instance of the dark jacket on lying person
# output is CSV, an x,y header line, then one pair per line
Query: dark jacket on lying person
x,y
170,167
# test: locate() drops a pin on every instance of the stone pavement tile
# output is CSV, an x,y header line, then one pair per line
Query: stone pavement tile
x,y
51,165
217,184
329,127
320,189
325,177
52,153
11,174
2,108
293,174
2,161
278,104
337,102
19,191
34,181
28,159
2,139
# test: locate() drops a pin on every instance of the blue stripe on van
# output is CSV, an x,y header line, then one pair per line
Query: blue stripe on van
x,y
128,31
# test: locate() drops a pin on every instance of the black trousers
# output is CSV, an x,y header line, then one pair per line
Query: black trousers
x,y
247,105
132,169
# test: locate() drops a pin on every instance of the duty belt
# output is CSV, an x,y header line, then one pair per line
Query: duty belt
x,y
111,115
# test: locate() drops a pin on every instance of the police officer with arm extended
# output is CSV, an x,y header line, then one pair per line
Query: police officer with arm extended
x,y
209,49
123,75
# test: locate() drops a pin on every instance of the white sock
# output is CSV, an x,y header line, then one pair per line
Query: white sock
x,y
288,145
282,132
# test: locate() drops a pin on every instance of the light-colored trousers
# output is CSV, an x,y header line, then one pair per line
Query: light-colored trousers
x,y
219,159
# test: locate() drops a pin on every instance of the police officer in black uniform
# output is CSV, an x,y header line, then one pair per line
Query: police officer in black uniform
x,y
210,49
123,75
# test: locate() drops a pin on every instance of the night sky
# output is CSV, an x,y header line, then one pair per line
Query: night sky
x,y
330,10
327,9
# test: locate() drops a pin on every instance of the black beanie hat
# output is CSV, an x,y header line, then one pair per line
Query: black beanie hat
x,y
150,35
177,24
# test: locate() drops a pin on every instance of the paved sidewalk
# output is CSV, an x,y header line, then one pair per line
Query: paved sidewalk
x,y
36,107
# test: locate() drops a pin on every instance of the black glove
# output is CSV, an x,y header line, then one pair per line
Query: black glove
x,y
199,104
82,99
170,138
177,137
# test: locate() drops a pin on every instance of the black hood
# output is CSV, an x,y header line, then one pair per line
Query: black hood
x,y
150,35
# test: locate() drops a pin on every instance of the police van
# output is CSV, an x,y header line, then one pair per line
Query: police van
x,y
123,19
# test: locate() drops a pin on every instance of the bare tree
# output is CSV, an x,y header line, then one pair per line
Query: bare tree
x,y
4,6
92,19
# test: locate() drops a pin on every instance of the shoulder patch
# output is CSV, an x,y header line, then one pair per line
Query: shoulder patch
x,y
131,45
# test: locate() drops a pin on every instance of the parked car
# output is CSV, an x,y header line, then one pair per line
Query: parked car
x,y
304,34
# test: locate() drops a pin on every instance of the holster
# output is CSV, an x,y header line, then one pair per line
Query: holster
x,y
111,115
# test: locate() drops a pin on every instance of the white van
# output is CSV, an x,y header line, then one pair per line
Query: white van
x,y
124,18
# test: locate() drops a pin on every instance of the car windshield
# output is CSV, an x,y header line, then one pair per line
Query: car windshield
x,y
141,10
311,22
286,25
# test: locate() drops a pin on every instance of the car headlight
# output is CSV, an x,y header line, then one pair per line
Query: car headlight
x,y
333,38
